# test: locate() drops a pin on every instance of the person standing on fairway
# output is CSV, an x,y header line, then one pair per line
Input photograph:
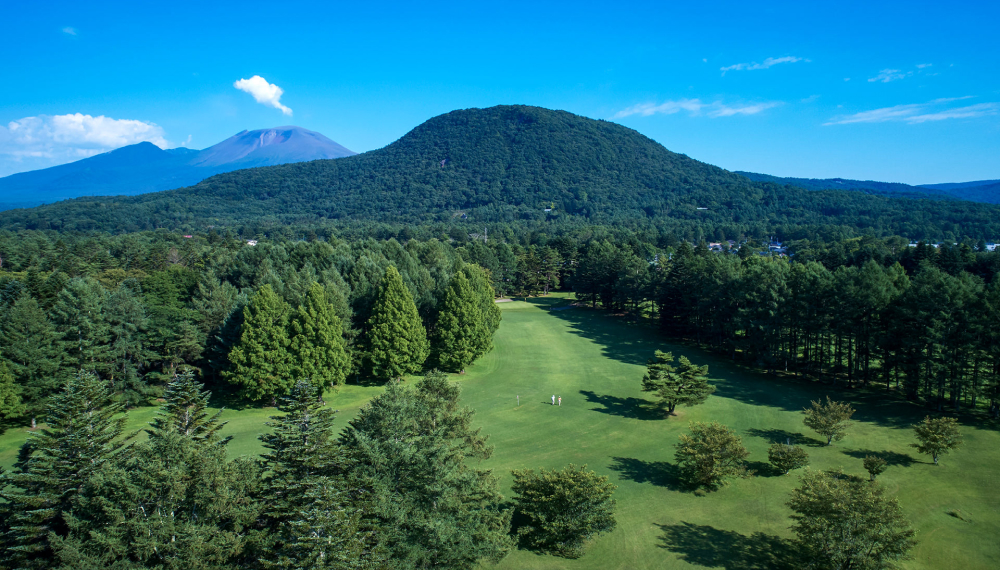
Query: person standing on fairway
x,y
560,400
553,399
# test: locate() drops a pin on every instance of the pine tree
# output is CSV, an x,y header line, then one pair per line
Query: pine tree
x,y
456,337
397,341
185,411
172,501
31,345
126,354
686,384
84,432
318,350
409,455
260,363
79,318
10,394
308,523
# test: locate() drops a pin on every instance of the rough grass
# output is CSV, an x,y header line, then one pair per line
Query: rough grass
x,y
595,362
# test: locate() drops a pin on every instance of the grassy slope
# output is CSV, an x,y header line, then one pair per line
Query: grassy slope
x,y
595,363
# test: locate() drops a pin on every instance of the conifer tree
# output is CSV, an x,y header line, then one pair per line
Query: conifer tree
x,y
686,384
308,523
318,350
456,337
185,411
10,394
397,341
126,354
79,318
172,501
84,432
409,455
31,345
490,315
260,363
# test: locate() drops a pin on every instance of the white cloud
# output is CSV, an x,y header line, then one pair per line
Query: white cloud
x,y
58,139
887,75
263,92
915,113
69,30
769,62
695,107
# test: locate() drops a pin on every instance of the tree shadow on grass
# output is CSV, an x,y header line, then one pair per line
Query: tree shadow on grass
x,y
636,408
782,436
659,473
704,545
763,469
891,457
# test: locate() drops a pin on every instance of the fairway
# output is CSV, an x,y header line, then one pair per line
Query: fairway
x,y
595,362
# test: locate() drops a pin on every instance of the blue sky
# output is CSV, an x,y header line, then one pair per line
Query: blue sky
x,y
894,91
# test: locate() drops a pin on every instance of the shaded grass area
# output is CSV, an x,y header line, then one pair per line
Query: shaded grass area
x,y
595,363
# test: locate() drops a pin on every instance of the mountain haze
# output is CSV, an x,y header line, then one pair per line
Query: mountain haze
x,y
987,191
509,164
144,167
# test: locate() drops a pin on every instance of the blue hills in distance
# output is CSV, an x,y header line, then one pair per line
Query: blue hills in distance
x,y
145,167
987,191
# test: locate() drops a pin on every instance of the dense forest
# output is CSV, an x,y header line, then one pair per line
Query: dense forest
x,y
514,165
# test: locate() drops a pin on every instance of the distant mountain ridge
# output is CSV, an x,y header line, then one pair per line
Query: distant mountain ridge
x,y
144,167
514,164
987,191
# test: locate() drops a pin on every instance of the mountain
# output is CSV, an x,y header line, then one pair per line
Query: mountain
x,y
890,189
513,164
144,167
986,191
977,191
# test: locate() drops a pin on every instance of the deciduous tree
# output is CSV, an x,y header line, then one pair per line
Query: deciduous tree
x,y
784,457
846,523
711,455
937,436
563,509
830,419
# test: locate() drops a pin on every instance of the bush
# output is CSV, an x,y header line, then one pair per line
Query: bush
x,y
561,510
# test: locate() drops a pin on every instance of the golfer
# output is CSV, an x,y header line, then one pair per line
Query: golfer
x,y
553,399
560,400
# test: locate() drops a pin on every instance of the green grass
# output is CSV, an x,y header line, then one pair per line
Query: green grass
x,y
595,362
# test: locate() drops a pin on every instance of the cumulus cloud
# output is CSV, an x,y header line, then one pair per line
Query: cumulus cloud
x,y
915,113
63,138
263,92
769,62
695,107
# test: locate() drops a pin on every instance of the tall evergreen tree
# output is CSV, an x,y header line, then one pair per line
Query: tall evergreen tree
x,y
185,412
173,501
397,341
79,318
127,354
31,345
10,394
490,315
308,520
83,432
318,350
409,454
456,341
260,363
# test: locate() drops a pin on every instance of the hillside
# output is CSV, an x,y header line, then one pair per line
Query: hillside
x,y
508,164
144,167
889,189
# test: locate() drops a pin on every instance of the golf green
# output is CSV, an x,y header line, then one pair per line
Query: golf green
x,y
595,362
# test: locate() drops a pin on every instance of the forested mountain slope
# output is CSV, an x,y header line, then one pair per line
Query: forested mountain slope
x,y
507,164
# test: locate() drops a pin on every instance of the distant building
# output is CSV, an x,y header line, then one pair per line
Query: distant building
x,y
188,237
251,242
